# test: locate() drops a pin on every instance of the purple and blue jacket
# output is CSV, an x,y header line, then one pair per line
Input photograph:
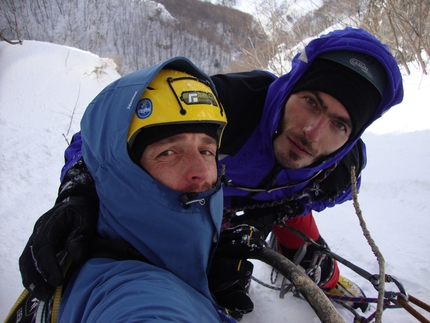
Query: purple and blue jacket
x,y
254,103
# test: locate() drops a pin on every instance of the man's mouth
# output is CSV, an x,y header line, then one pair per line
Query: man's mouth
x,y
299,148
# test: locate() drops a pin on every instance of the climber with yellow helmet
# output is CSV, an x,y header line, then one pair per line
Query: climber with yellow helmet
x,y
150,141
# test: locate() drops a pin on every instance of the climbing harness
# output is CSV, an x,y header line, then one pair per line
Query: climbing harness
x,y
392,299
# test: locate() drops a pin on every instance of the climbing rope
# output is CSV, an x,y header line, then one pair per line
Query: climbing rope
x,y
398,299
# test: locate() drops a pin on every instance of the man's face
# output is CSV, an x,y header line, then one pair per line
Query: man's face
x,y
314,125
185,162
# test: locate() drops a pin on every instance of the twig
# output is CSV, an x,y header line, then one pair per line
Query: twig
x,y
67,140
375,249
74,110
71,117
10,41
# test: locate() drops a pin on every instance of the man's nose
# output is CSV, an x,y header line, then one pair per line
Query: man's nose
x,y
197,169
315,127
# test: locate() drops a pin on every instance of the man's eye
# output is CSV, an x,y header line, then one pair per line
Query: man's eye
x,y
207,153
312,104
311,101
166,153
340,125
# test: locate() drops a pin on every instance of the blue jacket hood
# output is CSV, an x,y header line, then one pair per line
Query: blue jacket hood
x,y
133,206
256,159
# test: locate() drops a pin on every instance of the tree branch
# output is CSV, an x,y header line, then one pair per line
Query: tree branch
x,y
310,291
18,42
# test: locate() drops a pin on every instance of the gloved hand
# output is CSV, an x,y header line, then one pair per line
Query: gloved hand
x,y
229,280
230,273
264,218
241,242
69,225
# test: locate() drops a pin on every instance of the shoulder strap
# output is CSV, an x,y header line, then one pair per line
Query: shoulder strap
x,y
24,308
115,249
28,309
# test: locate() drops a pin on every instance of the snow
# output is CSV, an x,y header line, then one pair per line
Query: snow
x,y
294,9
44,89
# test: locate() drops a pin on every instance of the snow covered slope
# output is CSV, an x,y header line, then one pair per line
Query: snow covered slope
x,y
45,88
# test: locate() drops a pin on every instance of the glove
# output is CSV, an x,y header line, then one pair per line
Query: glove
x,y
230,273
228,281
241,242
264,218
69,225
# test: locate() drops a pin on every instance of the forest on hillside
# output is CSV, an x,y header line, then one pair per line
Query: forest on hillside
x,y
217,37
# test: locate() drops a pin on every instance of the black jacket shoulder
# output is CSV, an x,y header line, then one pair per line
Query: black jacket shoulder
x,y
243,96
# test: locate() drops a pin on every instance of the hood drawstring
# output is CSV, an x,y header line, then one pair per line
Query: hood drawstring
x,y
229,183
189,198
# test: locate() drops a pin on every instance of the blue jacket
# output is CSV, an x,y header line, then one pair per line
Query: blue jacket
x,y
178,242
255,160
254,103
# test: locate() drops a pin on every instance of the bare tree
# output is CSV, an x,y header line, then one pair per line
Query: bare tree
x,y
284,29
402,24
267,48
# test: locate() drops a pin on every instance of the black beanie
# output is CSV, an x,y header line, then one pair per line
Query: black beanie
x,y
360,95
149,135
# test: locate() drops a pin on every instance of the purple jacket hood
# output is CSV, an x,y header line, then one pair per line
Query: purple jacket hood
x,y
256,159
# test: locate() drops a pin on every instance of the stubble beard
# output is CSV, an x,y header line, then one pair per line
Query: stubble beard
x,y
289,159
198,188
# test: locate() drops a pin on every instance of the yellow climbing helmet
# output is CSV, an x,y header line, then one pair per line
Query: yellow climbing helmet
x,y
177,98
